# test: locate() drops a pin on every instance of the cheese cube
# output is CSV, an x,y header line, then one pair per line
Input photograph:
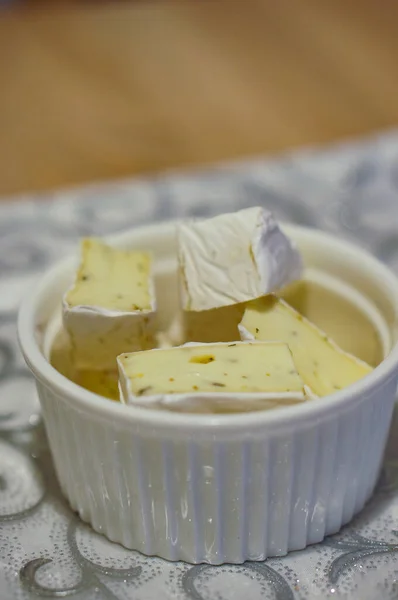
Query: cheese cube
x,y
217,325
233,258
196,376
323,366
110,308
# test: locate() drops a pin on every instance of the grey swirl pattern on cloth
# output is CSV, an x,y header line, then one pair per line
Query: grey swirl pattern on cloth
x,y
45,551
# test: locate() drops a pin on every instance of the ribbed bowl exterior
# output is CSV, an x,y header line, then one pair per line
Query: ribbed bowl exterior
x,y
229,497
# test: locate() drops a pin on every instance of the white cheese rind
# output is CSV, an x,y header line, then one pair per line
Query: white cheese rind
x,y
203,401
234,258
98,335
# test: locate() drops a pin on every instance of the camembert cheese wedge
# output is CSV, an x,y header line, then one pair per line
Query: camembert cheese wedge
x,y
233,258
110,308
324,367
212,377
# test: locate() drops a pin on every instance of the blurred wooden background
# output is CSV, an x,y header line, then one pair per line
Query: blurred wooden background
x,y
100,90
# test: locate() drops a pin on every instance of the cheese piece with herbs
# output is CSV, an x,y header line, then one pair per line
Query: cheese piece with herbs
x,y
324,367
233,258
110,308
211,376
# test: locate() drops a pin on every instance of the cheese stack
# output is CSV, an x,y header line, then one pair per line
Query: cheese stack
x,y
249,351
111,306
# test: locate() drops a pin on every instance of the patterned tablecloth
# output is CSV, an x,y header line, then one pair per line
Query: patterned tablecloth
x,y
45,551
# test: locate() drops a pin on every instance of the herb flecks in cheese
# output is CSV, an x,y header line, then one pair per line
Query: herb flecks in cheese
x,y
110,309
323,366
111,278
237,368
203,359
233,258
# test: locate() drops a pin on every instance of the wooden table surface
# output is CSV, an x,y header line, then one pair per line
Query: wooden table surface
x,y
105,90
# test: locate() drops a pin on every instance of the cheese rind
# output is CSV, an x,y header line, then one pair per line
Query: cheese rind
x,y
324,367
233,258
235,374
57,346
110,308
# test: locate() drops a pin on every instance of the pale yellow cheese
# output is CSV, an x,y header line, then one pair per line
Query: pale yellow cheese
x,y
216,325
212,368
111,278
206,326
111,308
323,366
103,383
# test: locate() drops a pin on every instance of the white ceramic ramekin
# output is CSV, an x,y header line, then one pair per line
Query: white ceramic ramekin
x,y
217,488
